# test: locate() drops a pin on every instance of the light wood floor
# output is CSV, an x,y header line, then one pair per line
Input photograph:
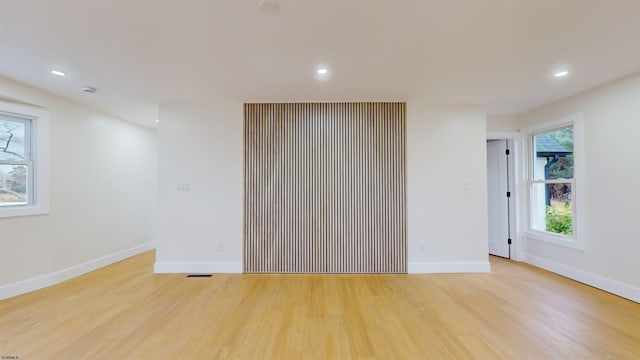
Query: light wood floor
x,y
124,311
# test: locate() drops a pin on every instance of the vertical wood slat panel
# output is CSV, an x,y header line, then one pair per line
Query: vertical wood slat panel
x,y
325,188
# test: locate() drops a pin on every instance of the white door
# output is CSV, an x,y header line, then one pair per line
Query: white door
x,y
497,188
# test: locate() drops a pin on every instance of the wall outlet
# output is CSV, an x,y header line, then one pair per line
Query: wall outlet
x,y
423,247
220,246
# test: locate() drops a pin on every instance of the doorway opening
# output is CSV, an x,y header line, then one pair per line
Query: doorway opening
x,y
500,195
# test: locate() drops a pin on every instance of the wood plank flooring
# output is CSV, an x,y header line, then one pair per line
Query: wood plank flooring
x,y
124,311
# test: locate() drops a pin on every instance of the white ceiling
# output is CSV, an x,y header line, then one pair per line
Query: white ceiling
x,y
142,53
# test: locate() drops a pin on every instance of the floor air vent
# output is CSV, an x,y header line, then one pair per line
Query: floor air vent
x,y
200,275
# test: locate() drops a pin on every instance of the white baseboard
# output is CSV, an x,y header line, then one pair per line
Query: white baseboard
x,y
197,267
43,281
449,267
613,286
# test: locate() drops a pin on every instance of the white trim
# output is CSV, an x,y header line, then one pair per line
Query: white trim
x,y
554,181
555,239
513,143
600,282
39,156
43,281
520,189
493,135
197,267
579,239
449,267
553,124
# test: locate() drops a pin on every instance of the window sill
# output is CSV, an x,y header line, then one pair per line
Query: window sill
x,y
560,240
27,210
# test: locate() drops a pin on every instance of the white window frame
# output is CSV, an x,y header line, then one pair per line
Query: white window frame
x,y
577,239
27,161
38,138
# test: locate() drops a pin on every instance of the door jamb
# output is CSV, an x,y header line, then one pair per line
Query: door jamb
x,y
515,187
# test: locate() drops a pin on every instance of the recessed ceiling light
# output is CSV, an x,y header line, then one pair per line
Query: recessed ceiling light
x,y
561,73
157,121
57,73
322,71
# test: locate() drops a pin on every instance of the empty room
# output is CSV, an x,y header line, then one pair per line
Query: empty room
x,y
319,179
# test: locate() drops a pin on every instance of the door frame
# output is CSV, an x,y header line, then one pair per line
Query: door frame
x,y
514,147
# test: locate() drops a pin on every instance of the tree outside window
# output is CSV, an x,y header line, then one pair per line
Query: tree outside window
x,y
15,162
552,181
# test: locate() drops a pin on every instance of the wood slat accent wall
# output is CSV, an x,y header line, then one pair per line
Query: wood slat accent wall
x,y
325,188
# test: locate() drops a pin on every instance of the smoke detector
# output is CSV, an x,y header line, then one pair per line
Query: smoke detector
x,y
270,7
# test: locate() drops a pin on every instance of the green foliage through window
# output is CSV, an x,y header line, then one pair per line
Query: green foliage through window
x,y
559,218
563,168
564,136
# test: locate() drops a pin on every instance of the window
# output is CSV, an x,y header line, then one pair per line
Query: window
x,y
552,181
16,167
24,160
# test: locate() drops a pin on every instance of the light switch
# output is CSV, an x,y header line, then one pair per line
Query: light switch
x,y
183,186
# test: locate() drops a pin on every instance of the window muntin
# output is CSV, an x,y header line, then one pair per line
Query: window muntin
x,y
16,167
36,162
552,199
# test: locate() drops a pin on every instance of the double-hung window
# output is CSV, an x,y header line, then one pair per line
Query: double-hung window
x,y
16,164
552,181
24,160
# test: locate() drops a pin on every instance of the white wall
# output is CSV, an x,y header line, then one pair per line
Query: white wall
x,y
200,230
611,201
502,123
203,145
447,188
103,189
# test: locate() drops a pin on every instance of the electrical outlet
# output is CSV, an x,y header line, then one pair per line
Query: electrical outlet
x,y
220,246
423,247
